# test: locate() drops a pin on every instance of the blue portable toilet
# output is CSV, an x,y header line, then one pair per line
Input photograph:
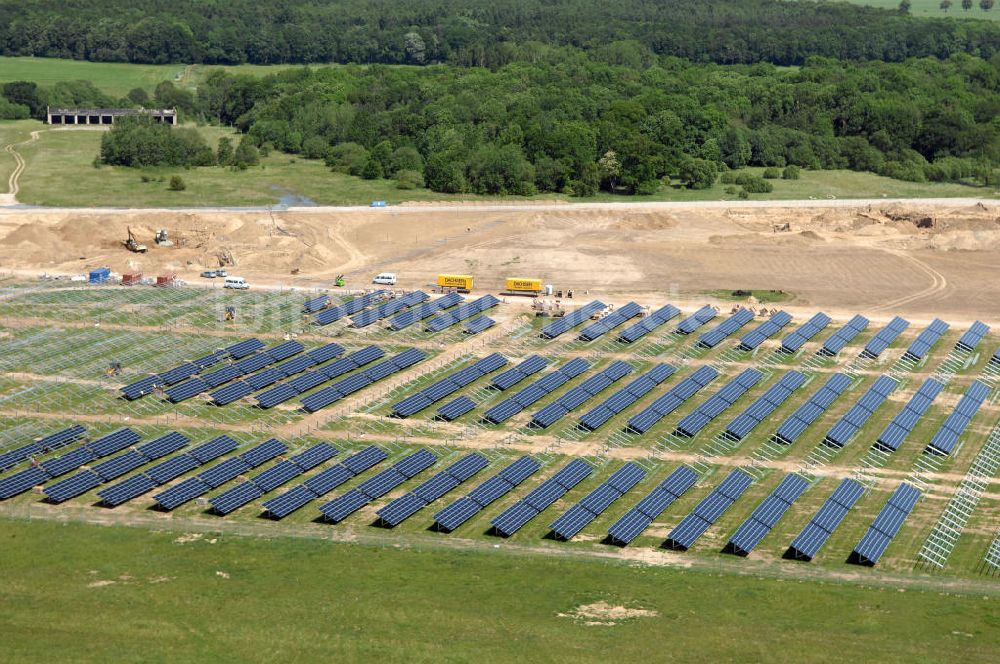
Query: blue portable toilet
x,y
378,204
100,275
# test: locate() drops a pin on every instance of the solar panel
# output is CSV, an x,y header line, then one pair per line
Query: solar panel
x,y
477,325
571,320
361,461
243,348
764,331
610,322
49,443
528,367
656,319
171,469
694,525
325,353
730,326
884,337
315,455
210,359
456,408
946,438
222,472
719,402
141,387
902,425
252,363
113,442
461,313
181,493
276,475
232,392
793,427
164,445
213,449
843,336
752,531
926,340
415,463
762,408
381,484
263,453
845,429
276,395
316,304
126,490
177,374
597,501
22,481
344,505
73,486
885,526
265,378
115,467
696,320
805,333
973,336
236,497
67,462
295,498
186,390
825,522
666,404
514,518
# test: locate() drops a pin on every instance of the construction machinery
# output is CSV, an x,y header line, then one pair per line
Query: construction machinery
x,y
340,282
114,369
133,244
162,240
230,313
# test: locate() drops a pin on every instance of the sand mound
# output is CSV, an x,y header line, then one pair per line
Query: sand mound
x,y
603,613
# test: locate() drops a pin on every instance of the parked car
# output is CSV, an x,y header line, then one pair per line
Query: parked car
x,y
209,274
385,278
239,283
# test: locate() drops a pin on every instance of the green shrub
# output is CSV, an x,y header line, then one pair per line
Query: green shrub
x,y
177,183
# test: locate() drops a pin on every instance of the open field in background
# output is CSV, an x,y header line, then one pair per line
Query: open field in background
x,y
287,595
113,78
931,9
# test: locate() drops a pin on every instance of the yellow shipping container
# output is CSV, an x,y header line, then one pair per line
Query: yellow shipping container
x,y
525,285
460,281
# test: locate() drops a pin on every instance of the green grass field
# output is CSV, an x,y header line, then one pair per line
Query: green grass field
x,y
115,593
59,153
932,9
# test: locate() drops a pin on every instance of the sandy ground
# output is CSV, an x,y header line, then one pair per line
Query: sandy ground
x,y
921,258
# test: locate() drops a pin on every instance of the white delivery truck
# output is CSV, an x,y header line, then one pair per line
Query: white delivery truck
x,y
239,283
385,278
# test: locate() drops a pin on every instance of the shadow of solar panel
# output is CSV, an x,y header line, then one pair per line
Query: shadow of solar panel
x,y
324,353
181,493
232,392
126,490
116,467
73,486
22,481
68,462
243,348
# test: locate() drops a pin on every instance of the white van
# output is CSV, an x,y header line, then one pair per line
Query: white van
x,y
239,283
385,278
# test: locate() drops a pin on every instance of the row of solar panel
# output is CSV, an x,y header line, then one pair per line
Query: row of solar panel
x,y
529,366
113,468
793,427
654,320
460,313
839,339
180,373
415,403
402,508
625,397
313,378
323,482
247,365
926,339
844,430
537,390
269,480
583,392
751,532
362,379
884,337
238,389
479,324
538,499
805,332
387,309
577,517
707,512
349,308
219,474
764,331
973,336
496,487
726,328
886,525
762,408
22,481
50,443
947,436
902,425
696,320
672,400
610,322
350,502
571,320
316,304
166,471
424,311
718,403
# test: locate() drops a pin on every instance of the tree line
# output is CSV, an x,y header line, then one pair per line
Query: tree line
x,y
475,33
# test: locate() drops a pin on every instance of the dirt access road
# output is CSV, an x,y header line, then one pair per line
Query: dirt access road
x,y
923,258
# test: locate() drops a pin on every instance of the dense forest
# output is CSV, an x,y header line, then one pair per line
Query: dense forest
x,y
473,32
568,123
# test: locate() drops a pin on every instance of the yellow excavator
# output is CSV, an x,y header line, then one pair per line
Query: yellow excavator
x,y
134,245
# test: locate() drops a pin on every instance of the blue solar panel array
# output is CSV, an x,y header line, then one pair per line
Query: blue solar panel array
x,y
654,320
49,443
316,304
20,482
348,503
762,408
404,507
799,337
460,313
669,402
696,320
884,337
496,487
902,425
886,525
347,386
415,403
240,389
580,394
569,321
844,430
719,402
324,482
424,311
525,397
180,373
839,339
827,518
309,379
995,360
528,367
269,480
455,408
646,510
708,511
219,474
946,438
514,517
477,325
766,516
625,397
610,322
349,308
726,328
764,331
973,336
926,340
390,308
809,412
577,517
115,467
